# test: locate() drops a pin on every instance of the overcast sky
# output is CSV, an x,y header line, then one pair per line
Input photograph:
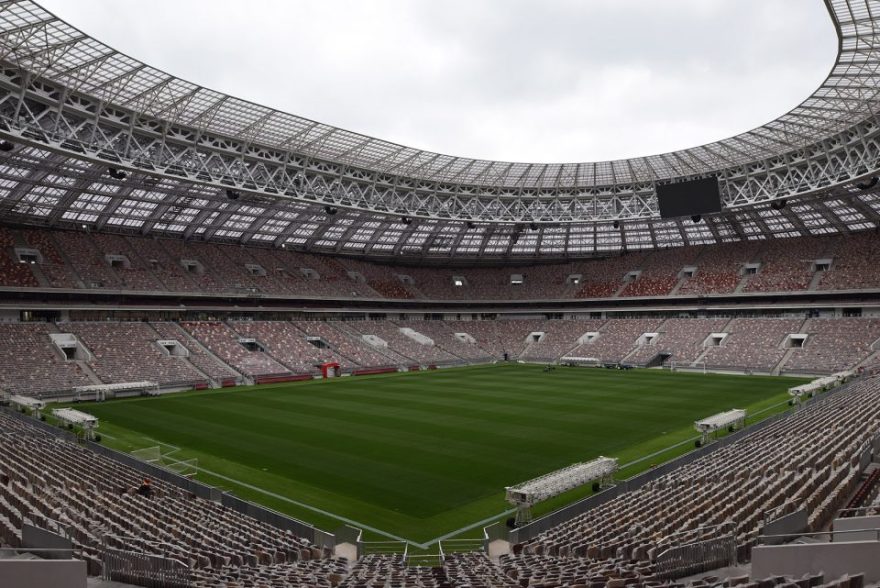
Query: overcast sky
x,y
521,80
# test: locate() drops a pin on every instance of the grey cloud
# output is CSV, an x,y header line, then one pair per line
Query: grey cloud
x,y
524,80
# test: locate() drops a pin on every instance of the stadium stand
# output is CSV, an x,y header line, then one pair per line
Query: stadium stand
x,y
77,260
198,270
227,345
559,337
87,261
853,263
287,344
616,339
833,345
500,337
348,345
604,278
30,364
167,269
719,269
13,272
221,353
177,235
199,356
133,272
810,457
228,274
444,337
383,279
787,265
419,348
57,270
321,573
60,485
660,272
682,338
129,352
752,344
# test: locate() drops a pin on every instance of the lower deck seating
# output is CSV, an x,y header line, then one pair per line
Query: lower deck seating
x,y
198,357
807,459
403,347
31,365
129,352
681,338
753,343
810,460
617,338
287,344
560,337
54,482
226,344
833,345
227,352
354,351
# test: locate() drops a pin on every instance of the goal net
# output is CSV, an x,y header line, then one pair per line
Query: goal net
x,y
148,454
184,467
187,468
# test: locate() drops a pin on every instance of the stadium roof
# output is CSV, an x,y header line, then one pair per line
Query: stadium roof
x,y
193,162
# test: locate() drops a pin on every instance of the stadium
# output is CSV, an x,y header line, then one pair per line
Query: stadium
x,y
242,348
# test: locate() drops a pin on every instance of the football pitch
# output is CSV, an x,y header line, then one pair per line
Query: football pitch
x,y
417,456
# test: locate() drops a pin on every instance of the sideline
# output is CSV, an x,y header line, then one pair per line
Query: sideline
x,y
303,505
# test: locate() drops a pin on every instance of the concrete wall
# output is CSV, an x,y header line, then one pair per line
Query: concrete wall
x,y
791,524
832,559
33,537
38,573
856,524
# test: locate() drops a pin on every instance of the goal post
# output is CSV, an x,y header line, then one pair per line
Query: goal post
x,y
148,454
188,468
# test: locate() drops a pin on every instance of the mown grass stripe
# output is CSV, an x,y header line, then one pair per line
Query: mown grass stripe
x,y
419,455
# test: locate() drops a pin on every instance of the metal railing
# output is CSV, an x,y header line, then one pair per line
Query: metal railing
x,y
461,546
696,558
151,571
46,552
385,547
873,534
861,511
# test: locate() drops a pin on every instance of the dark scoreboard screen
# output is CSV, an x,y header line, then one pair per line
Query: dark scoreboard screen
x,y
689,198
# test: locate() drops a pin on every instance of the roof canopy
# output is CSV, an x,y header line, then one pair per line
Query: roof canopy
x,y
104,141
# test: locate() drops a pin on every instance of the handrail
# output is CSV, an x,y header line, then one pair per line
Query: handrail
x,y
830,534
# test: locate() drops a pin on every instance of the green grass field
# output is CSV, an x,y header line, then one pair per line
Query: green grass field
x,y
420,455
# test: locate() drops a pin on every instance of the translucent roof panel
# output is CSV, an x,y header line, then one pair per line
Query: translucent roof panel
x,y
36,40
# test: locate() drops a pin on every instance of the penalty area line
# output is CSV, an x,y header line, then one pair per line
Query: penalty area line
x,y
306,506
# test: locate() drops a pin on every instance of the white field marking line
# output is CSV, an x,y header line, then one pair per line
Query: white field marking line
x,y
626,465
464,529
334,516
304,505
430,542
